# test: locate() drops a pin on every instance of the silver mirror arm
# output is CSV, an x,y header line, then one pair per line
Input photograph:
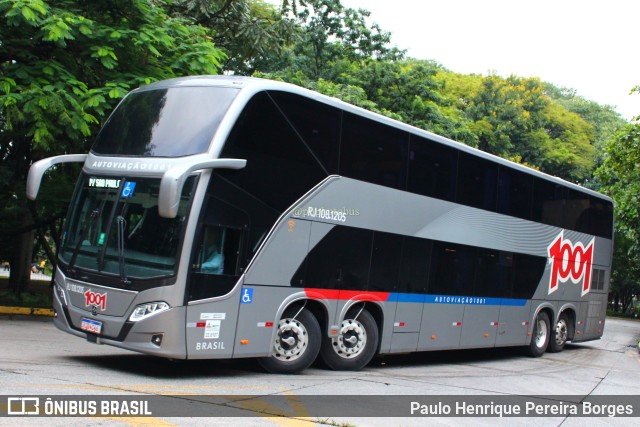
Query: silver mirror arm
x,y
173,181
37,170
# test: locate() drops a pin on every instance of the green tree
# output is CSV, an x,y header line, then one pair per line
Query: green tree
x,y
250,32
327,31
619,176
625,273
63,67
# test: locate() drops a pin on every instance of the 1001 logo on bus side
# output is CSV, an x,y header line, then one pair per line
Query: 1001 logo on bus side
x,y
570,261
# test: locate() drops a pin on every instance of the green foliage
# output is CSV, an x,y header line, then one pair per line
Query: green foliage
x,y
625,273
248,31
63,67
620,176
326,32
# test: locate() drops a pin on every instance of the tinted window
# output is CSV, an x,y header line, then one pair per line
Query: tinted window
x,y
451,269
164,123
385,262
280,168
576,211
487,274
477,182
515,193
599,218
373,152
414,268
528,271
317,124
548,202
340,260
432,169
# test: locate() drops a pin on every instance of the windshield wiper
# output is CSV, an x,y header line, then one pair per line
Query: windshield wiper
x,y
95,214
112,216
120,226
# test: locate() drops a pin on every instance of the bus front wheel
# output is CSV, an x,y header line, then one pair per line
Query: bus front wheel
x,y
296,344
356,342
540,335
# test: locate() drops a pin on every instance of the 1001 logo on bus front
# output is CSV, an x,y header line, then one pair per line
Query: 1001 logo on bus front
x,y
94,299
570,262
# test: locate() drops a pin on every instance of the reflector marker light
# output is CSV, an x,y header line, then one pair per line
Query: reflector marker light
x,y
457,323
265,324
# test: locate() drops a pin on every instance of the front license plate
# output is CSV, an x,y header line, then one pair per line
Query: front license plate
x,y
92,326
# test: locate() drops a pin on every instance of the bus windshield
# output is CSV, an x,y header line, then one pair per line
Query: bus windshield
x,y
114,228
164,122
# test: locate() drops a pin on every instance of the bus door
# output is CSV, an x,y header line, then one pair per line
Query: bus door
x,y
276,278
216,268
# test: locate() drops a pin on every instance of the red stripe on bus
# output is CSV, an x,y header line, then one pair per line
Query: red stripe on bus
x,y
335,294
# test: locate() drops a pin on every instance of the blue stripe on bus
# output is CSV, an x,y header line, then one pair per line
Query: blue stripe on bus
x,y
450,299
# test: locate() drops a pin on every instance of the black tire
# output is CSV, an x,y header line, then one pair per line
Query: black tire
x,y
559,334
296,344
540,335
355,345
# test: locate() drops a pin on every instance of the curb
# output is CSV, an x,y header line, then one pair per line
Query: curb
x,y
27,311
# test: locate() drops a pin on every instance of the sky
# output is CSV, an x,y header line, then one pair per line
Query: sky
x,y
590,46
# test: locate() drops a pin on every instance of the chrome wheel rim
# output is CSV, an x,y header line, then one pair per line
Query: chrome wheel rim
x,y
561,332
351,339
541,335
291,340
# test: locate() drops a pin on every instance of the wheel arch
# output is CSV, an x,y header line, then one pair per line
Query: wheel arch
x,y
543,308
374,308
296,301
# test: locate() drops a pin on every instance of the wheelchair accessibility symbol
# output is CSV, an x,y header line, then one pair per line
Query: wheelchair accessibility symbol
x,y
247,296
128,189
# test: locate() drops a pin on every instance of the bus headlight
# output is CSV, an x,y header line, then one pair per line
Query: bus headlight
x,y
142,311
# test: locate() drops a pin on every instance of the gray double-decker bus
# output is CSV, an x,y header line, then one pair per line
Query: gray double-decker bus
x,y
219,217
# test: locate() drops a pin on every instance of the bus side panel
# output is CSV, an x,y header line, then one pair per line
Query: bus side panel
x,y
479,325
441,326
259,316
581,321
596,311
514,323
211,327
406,325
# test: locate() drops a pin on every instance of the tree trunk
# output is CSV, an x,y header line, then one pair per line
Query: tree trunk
x,y
21,259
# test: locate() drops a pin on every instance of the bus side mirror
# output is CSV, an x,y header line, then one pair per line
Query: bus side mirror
x,y
173,181
37,170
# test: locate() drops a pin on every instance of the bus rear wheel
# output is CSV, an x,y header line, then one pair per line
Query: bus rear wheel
x,y
540,335
559,335
355,345
296,344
